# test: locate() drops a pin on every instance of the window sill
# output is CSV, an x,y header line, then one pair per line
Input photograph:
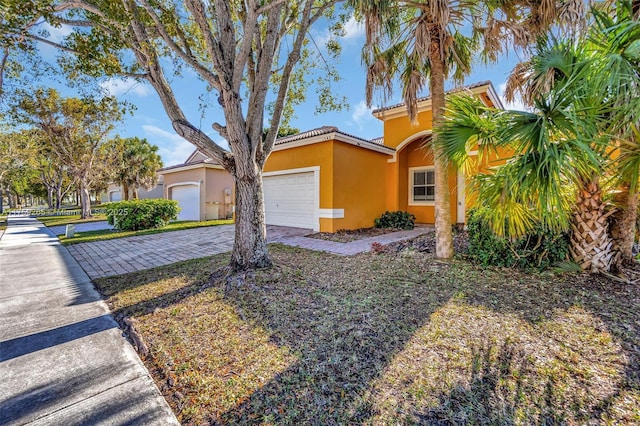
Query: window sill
x,y
422,203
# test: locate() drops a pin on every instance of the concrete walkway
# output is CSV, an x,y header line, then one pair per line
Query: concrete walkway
x,y
123,255
63,360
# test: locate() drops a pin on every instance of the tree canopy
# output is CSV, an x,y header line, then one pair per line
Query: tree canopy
x,y
249,52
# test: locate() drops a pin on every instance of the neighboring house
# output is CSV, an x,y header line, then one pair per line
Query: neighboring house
x,y
114,192
328,180
204,190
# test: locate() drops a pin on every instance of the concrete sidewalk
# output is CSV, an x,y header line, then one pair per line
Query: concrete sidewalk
x,y
63,359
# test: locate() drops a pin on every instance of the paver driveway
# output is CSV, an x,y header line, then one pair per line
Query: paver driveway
x,y
120,256
130,254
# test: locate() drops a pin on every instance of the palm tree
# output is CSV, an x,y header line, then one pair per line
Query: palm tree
x,y
553,179
134,163
615,76
611,71
428,42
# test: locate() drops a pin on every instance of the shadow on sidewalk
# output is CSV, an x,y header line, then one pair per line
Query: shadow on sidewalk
x,y
20,346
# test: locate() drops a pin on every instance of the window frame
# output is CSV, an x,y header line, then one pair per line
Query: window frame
x,y
412,172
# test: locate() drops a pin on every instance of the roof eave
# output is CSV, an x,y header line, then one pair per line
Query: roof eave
x,y
425,105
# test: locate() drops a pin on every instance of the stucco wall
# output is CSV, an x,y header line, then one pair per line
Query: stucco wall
x,y
219,197
359,185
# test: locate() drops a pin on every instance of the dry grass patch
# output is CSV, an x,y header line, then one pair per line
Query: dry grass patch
x,y
393,339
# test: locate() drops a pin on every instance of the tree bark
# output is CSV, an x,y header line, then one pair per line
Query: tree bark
x,y
250,245
85,200
590,243
444,234
58,198
125,191
622,225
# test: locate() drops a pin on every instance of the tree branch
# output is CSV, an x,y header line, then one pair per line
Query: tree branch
x,y
210,77
250,24
211,44
203,142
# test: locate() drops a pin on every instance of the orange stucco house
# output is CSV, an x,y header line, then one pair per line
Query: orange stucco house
x,y
327,180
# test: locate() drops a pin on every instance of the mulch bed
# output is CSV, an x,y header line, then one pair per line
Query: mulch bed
x,y
349,235
427,243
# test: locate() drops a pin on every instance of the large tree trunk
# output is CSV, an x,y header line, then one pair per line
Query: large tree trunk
x,y
250,245
58,197
85,200
50,197
125,191
590,241
10,199
444,235
622,226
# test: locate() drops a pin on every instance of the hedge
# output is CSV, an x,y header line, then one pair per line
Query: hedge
x,y
135,215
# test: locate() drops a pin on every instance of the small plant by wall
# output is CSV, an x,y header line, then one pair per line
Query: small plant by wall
x,y
397,220
135,215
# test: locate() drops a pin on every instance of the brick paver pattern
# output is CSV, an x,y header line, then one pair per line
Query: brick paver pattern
x,y
123,255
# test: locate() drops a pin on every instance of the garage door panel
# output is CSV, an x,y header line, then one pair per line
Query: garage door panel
x,y
290,200
188,198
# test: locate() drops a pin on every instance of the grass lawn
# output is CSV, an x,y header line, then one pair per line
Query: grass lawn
x,y
385,339
65,220
3,222
106,234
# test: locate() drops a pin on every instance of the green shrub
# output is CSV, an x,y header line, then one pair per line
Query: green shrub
x,y
399,220
135,215
539,250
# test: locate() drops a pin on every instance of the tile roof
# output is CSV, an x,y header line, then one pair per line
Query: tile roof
x,y
324,130
426,98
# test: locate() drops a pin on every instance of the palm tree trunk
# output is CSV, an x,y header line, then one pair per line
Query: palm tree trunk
x,y
125,191
590,242
444,235
622,226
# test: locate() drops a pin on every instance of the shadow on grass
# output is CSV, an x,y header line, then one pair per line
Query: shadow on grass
x,y
470,341
351,326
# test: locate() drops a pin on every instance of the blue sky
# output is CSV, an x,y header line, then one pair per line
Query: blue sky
x,y
150,121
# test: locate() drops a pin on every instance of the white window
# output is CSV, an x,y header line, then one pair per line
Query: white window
x,y
422,186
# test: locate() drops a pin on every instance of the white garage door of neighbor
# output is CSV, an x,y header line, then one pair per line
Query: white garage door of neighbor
x,y
188,198
115,196
290,200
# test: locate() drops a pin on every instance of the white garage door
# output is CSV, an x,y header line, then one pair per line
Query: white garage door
x,y
188,198
290,200
115,196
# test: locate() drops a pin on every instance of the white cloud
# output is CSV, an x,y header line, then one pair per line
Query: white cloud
x,y
173,148
119,86
361,113
517,104
353,29
56,35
